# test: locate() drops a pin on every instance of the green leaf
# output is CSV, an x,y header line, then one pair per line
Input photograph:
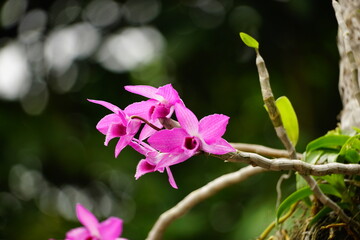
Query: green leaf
x,y
327,141
337,181
356,129
329,156
313,156
249,41
289,119
301,194
322,213
350,150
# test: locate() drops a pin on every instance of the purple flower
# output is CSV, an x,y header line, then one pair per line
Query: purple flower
x,y
117,124
193,137
153,157
160,105
109,229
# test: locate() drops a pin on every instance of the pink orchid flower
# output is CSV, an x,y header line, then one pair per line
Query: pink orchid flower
x,y
117,124
109,229
193,136
153,157
160,105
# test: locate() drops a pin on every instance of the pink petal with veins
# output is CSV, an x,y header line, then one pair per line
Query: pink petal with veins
x,y
213,127
168,141
187,119
221,146
108,105
169,94
140,109
143,90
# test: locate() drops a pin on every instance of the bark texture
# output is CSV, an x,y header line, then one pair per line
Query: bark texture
x,y
348,86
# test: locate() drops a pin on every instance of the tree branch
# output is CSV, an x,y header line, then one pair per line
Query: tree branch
x,y
283,164
262,150
198,196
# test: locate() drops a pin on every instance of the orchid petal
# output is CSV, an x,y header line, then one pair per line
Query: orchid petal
x,y
221,146
160,111
132,127
213,127
115,130
147,131
187,119
169,93
171,178
87,219
140,109
111,228
168,141
108,105
141,147
77,233
104,123
172,159
143,167
143,90
122,143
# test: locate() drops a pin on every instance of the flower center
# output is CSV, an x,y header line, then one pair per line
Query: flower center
x,y
191,143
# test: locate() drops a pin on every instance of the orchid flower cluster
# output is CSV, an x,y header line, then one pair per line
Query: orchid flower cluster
x,y
163,141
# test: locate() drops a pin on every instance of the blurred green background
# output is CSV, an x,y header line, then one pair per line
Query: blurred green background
x,y
56,54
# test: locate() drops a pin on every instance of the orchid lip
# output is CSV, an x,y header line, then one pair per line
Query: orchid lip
x,y
191,143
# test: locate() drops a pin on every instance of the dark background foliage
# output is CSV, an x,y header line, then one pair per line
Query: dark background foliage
x,y
56,54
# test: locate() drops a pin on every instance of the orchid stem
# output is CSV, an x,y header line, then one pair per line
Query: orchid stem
x,y
146,122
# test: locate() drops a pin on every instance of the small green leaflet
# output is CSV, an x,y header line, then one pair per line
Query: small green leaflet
x,y
289,119
301,194
327,141
350,150
249,41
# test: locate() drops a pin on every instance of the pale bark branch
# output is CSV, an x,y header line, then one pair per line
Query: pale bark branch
x,y
198,196
263,150
284,164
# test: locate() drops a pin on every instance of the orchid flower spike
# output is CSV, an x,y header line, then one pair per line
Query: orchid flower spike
x,y
117,124
160,105
193,136
109,229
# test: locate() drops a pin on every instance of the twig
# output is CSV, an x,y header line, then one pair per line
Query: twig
x,y
284,164
262,150
198,196
281,133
